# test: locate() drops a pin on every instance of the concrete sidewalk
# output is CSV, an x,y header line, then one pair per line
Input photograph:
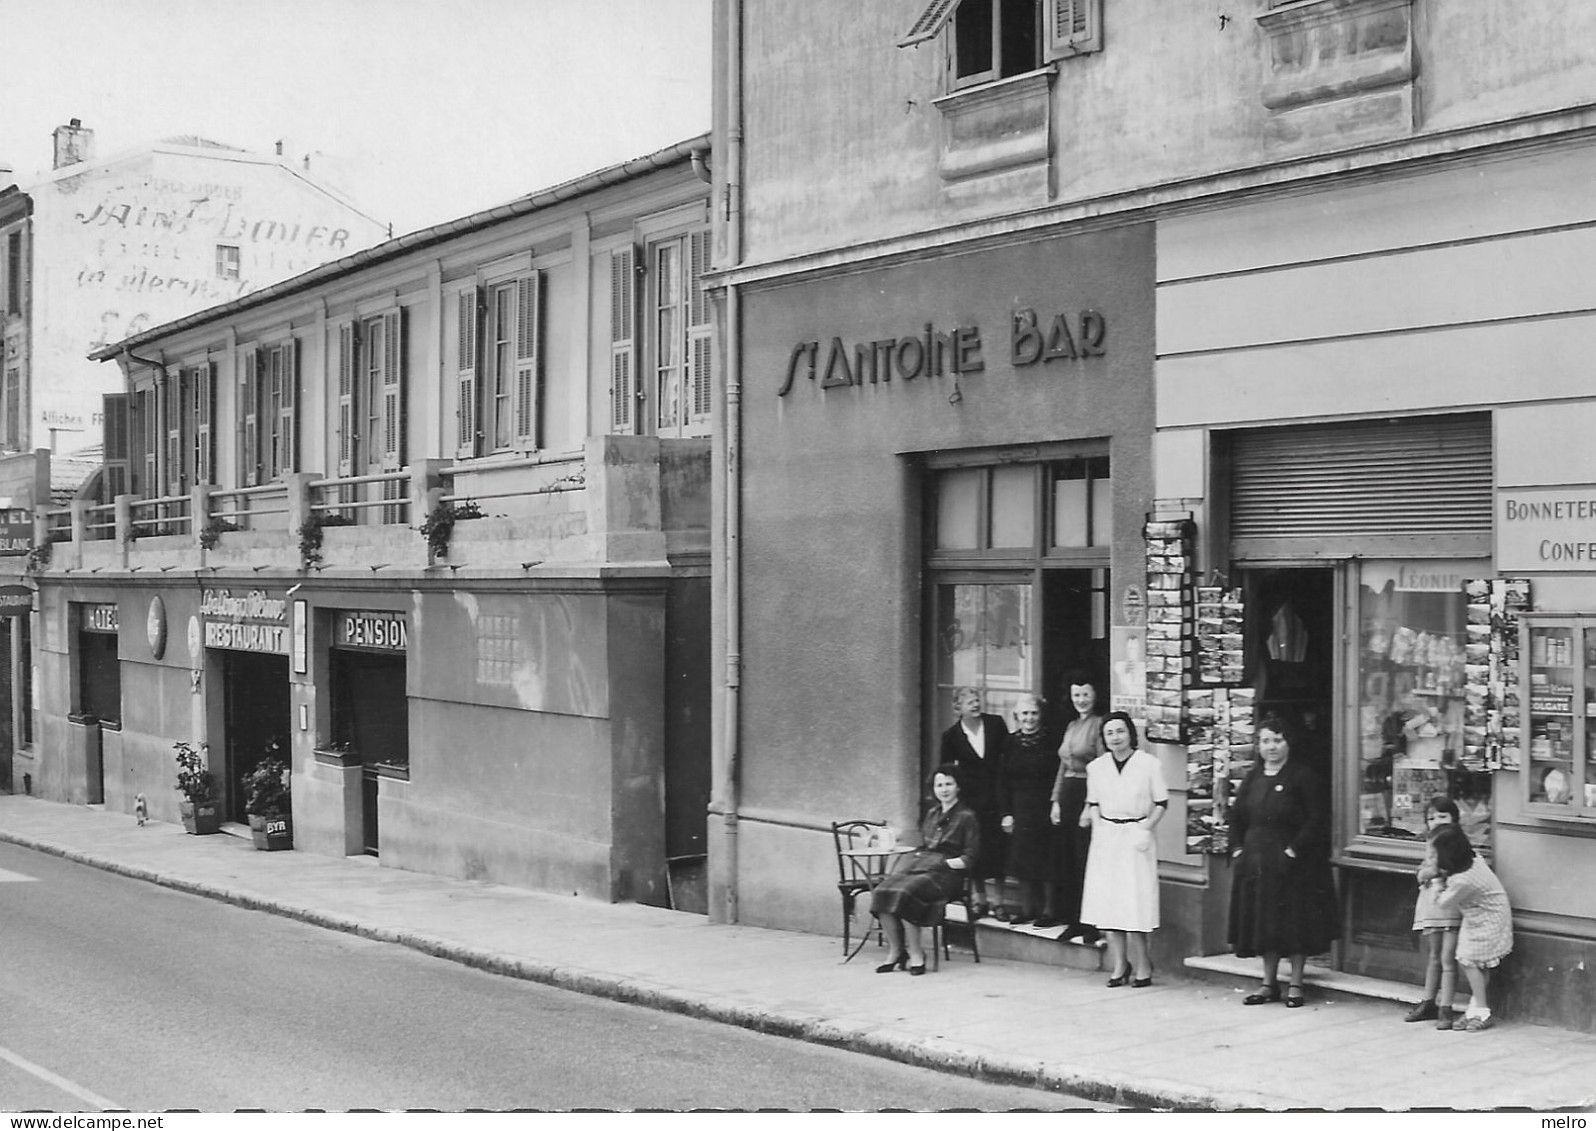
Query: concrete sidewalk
x,y
1177,1044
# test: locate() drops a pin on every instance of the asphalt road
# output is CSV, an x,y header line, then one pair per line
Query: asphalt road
x,y
116,993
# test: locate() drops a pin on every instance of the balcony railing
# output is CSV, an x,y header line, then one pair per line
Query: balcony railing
x,y
614,500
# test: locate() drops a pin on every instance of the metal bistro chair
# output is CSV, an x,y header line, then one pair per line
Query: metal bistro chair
x,y
862,859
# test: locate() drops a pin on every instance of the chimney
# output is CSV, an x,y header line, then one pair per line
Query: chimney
x,y
73,144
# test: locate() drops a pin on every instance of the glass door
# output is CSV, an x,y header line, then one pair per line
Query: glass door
x,y
984,634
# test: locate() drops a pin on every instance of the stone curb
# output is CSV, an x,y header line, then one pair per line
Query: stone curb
x,y
941,1056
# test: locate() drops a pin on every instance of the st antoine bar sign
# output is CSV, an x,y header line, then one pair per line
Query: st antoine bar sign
x,y
933,352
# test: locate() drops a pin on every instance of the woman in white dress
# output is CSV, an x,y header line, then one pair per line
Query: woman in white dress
x,y
1125,800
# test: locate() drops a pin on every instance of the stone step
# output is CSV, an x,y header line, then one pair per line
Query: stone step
x,y
1227,969
1024,943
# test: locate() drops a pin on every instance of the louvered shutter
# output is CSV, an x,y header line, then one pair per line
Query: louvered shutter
x,y
149,440
249,400
932,20
118,441
393,391
623,341
288,410
467,406
203,384
174,433
528,345
1072,27
1374,488
699,330
346,399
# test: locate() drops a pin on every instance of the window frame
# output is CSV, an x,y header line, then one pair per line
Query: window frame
x,y
690,374
498,360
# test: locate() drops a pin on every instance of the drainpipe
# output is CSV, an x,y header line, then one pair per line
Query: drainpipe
x,y
728,788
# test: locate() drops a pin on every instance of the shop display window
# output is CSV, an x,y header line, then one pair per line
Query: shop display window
x,y
1413,637
983,634
1559,742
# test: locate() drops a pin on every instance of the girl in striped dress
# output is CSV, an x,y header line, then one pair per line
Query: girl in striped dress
x,y
1469,887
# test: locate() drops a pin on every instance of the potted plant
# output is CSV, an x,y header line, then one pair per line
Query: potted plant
x,y
268,801
201,813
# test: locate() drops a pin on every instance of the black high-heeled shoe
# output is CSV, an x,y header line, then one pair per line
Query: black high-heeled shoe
x,y
1295,999
916,971
898,963
1119,980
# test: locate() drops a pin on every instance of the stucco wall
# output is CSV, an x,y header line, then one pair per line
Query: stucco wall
x,y
831,722
842,136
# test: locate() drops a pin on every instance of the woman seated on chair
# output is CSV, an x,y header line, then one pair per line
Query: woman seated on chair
x,y
921,883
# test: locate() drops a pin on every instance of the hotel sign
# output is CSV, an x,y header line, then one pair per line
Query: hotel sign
x,y
16,531
256,621
1546,530
372,631
99,618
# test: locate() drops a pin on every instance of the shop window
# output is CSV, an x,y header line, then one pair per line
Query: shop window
x,y
984,635
1558,755
1413,638
1083,512
995,510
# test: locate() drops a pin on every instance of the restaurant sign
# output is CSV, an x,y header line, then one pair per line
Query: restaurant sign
x,y
256,621
15,600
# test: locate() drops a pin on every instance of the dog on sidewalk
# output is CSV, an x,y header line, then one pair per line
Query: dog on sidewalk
x,y
141,809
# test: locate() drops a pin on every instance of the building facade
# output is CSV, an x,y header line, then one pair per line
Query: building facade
x,y
104,248
433,519
1302,318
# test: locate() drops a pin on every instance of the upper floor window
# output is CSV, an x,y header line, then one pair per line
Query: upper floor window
x,y
227,261
1057,507
498,344
14,273
661,379
372,417
998,39
269,413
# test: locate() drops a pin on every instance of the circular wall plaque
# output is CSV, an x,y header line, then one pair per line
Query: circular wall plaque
x,y
193,640
155,627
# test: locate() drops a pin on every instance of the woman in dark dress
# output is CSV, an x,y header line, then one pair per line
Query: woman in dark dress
x,y
974,743
1282,899
922,882
1030,763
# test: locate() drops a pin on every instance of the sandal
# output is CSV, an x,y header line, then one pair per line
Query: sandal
x,y
1263,995
1294,997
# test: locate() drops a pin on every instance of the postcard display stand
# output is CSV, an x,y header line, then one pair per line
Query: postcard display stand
x,y
1195,665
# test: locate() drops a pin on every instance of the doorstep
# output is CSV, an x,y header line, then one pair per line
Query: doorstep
x,y
234,828
1227,967
1042,946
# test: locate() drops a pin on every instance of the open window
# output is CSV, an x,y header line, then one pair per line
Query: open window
x,y
998,39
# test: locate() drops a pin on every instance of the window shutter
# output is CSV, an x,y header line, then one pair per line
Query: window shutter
x,y
288,410
932,20
249,414
150,441
346,399
700,394
203,382
623,341
174,433
1073,27
466,374
393,392
118,409
528,345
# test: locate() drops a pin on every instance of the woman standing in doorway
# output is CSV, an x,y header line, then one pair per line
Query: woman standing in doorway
x,y
974,743
1282,896
1029,766
1125,799
1083,742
